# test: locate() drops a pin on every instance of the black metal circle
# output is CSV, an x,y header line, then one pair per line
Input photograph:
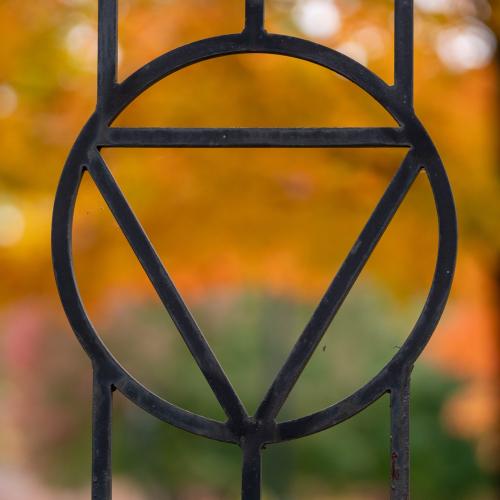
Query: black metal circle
x,y
89,142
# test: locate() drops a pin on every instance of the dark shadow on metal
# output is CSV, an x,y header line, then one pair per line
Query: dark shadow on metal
x,y
252,433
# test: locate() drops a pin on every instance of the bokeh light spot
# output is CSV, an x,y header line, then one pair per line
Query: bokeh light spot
x,y
8,100
317,18
467,47
12,225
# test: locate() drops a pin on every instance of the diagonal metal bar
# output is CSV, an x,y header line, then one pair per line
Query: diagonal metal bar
x,y
254,137
338,290
170,297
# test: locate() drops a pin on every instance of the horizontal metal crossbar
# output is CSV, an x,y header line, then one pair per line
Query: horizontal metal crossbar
x,y
254,137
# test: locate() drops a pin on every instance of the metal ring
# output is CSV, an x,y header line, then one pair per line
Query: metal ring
x,y
134,86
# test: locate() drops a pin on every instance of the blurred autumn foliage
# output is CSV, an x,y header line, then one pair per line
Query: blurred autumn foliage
x,y
252,238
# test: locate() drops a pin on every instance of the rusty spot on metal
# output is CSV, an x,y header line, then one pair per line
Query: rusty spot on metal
x,y
395,468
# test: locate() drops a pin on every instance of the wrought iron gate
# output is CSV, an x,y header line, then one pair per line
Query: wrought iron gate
x,y
252,433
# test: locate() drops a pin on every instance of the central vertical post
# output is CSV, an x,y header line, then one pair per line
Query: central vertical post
x,y
254,16
251,482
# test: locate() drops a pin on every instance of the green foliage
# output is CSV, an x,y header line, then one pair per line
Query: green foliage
x,y
351,457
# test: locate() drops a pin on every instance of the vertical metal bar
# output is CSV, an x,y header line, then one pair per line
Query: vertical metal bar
x,y
400,439
403,50
107,50
101,438
254,16
251,474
